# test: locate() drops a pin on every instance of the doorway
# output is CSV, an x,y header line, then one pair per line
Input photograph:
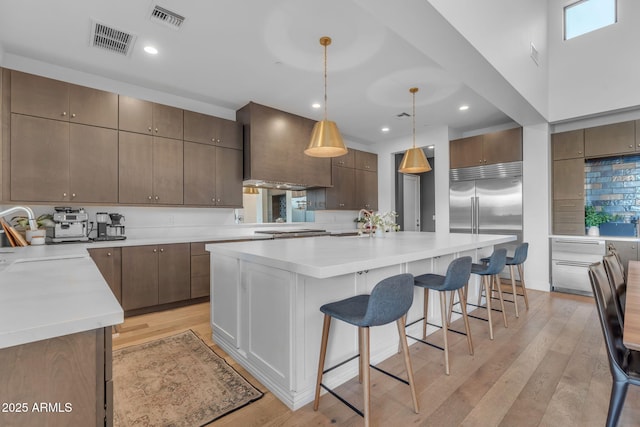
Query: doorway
x,y
424,201
411,202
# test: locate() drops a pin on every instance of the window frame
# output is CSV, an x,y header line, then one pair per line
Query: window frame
x,y
576,3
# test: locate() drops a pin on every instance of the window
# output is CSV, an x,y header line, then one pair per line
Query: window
x,y
588,15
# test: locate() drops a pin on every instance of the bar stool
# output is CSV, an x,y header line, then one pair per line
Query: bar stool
x,y
389,302
456,278
489,273
517,260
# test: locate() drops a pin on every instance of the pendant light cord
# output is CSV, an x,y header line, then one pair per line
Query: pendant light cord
x,y
325,82
414,119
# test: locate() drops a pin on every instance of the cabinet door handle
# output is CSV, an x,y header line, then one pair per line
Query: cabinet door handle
x,y
64,194
64,113
219,200
161,250
631,146
73,114
213,140
156,130
73,194
108,253
150,197
155,251
579,152
149,128
157,198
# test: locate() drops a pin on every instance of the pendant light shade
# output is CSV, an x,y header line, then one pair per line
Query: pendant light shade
x,y
414,160
326,140
250,190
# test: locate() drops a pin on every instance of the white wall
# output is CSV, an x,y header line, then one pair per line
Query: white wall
x,y
536,209
596,72
513,25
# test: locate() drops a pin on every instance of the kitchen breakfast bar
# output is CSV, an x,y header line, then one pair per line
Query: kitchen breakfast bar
x,y
266,295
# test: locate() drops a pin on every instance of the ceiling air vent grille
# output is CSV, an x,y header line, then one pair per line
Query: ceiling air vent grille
x,y
111,39
166,17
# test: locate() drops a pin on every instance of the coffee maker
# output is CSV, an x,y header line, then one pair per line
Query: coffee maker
x,y
116,228
109,226
102,221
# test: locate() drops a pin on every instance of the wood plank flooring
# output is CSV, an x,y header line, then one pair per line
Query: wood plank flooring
x,y
548,368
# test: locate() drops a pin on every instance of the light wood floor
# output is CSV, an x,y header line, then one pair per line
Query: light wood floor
x,y
548,368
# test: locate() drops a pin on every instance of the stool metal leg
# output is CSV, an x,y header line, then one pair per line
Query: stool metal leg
x,y
513,289
407,362
463,306
522,285
445,329
323,353
366,374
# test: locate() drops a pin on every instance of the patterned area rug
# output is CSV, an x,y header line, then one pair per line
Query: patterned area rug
x,y
175,381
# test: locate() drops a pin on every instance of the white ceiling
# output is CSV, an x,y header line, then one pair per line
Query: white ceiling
x,y
230,52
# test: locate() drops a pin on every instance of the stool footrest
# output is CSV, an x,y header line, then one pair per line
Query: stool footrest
x,y
341,399
425,342
473,316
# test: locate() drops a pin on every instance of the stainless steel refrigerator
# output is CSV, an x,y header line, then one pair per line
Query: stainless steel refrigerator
x,y
486,200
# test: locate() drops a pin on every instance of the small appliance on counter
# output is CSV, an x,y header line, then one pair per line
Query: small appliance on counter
x,y
70,225
109,226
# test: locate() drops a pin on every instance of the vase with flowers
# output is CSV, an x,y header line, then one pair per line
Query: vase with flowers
x,y
379,222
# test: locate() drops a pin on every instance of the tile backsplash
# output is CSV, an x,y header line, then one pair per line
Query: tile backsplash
x,y
612,185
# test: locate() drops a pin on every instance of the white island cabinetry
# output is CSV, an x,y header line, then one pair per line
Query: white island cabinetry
x,y
266,297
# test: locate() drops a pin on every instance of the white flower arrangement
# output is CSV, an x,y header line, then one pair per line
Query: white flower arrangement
x,y
385,221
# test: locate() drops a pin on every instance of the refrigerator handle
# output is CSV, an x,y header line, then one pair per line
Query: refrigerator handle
x,y
473,215
477,215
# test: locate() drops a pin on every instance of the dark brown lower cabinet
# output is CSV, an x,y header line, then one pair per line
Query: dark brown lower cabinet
x,y
109,262
62,381
200,271
155,274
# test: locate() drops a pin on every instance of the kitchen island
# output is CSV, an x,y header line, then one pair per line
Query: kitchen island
x,y
265,299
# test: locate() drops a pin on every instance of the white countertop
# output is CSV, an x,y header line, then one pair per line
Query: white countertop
x,y
53,290
327,256
600,238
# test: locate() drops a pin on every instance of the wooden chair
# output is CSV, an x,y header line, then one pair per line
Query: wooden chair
x,y
624,364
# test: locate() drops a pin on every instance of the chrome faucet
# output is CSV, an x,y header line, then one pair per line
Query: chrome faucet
x,y
30,215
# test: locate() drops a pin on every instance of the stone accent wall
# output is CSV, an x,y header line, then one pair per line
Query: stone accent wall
x,y
613,185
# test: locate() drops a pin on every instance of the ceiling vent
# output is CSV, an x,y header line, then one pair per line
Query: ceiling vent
x,y
111,39
166,17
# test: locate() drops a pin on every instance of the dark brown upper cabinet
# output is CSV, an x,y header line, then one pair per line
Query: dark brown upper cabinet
x,y
53,99
212,130
139,116
568,145
496,147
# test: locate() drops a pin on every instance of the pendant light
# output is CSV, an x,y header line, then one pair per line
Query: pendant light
x,y
325,138
414,160
250,190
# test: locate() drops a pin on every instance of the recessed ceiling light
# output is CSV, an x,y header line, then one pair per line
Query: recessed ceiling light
x,y
463,107
316,105
151,50
385,129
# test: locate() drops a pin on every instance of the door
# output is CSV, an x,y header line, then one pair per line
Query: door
x,y
174,273
499,205
139,277
411,202
135,168
461,205
200,174
168,176
228,177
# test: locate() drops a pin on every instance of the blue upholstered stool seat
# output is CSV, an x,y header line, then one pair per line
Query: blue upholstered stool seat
x,y
517,261
456,279
489,273
389,302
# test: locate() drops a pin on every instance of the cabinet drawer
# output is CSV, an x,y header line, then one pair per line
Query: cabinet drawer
x,y
585,250
571,275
